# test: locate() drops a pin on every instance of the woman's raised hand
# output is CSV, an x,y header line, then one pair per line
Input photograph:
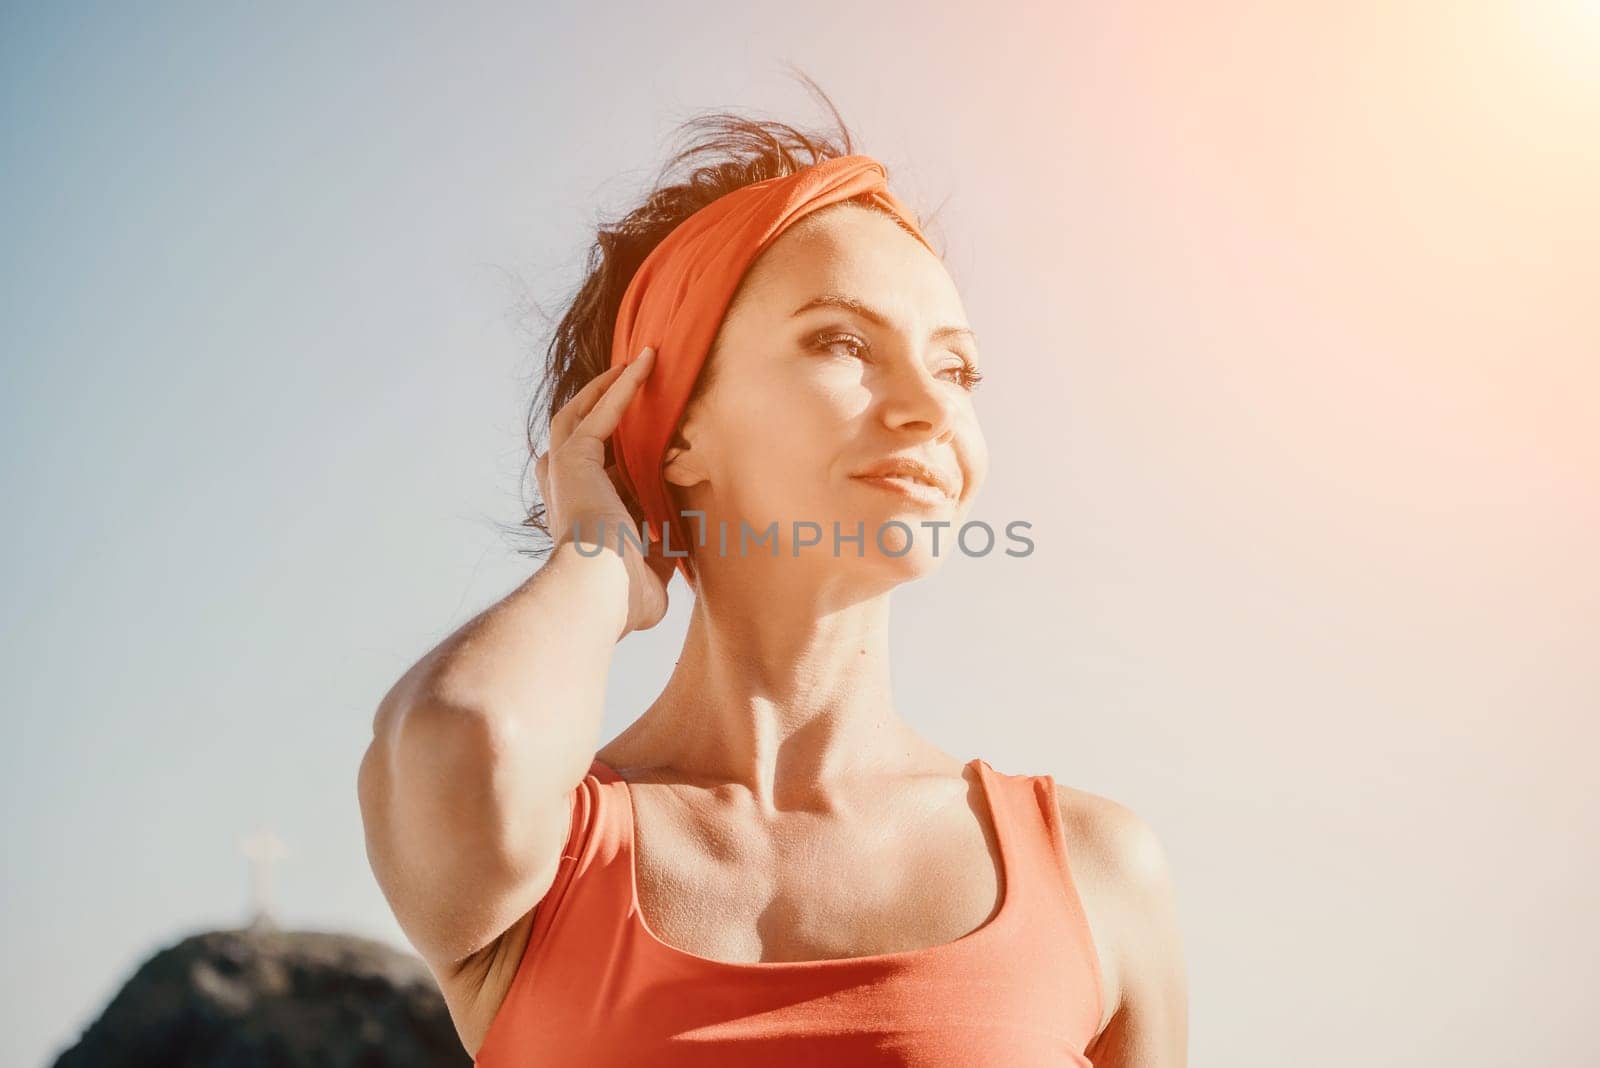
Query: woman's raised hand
x,y
580,492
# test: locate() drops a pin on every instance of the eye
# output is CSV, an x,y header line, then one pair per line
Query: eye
x,y
967,374
829,340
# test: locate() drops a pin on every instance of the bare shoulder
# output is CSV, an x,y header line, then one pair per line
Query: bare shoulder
x,y
1115,841
1125,879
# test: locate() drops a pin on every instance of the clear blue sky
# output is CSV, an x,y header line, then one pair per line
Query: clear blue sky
x,y
1292,365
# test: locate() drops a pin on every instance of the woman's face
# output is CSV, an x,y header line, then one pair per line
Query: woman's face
x,y
807,393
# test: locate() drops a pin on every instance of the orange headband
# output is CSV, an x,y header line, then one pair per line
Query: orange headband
x,y
678,297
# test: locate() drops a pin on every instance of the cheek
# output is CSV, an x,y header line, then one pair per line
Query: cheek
x,y
978,458
974,450
779,465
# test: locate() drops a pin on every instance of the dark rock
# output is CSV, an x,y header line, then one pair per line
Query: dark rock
x,y
259,997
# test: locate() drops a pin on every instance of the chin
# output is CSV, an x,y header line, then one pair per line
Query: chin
x,y
912,562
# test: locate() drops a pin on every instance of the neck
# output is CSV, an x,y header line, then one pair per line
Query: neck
x,y
783,685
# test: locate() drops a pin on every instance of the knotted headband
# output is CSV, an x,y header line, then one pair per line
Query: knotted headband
x,y
678,297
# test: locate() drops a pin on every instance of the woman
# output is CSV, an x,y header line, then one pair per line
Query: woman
x,y
769,866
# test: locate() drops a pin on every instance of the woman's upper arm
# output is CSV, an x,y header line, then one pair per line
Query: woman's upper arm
x,y
456,867
1149,1027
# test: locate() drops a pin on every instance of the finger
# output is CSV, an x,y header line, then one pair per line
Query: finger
x,y
624,495
662,565
574,410
602,419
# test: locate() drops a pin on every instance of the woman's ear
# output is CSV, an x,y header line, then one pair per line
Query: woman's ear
x,y
680,467
680,464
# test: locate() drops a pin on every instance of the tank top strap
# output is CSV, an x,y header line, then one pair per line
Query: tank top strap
x,y
1027,806
1028,823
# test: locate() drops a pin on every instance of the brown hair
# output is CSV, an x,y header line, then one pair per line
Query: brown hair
x,y
724,152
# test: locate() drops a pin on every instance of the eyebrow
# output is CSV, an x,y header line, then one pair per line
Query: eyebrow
x,y
839,300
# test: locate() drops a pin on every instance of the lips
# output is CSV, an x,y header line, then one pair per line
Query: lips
x,y
912,470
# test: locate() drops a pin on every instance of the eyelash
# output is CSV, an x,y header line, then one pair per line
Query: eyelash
x,y
970,375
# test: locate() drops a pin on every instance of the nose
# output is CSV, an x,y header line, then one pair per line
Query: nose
x,y
915,399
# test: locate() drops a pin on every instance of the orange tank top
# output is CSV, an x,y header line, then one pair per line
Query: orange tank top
x,y
596,987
